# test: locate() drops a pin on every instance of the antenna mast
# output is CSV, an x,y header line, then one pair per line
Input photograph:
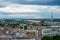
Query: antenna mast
x,y
51,16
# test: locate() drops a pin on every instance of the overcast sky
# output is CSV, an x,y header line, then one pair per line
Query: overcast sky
x,y
29,9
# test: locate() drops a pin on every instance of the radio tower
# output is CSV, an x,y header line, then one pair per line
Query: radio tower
x,y
52,16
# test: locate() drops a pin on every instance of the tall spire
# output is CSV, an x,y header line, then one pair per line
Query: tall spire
x,y
51,16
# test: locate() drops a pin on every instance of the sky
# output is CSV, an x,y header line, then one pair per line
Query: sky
x,y
29,9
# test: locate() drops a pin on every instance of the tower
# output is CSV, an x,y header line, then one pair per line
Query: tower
x,y
51,16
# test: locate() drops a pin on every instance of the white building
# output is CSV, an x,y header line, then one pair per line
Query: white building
x,y
49,32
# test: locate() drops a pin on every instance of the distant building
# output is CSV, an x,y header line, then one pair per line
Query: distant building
x,y
51,31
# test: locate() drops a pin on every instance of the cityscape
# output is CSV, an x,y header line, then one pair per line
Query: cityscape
x,y
28,29
29,19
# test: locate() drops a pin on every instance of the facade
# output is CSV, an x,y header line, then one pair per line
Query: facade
x,y
51,31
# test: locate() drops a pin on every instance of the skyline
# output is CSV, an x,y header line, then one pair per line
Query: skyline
x,y
33,9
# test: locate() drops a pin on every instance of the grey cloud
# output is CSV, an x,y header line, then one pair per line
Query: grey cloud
x,y
34,2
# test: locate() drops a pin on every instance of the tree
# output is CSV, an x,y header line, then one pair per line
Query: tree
x,y
25,27
57,37
47,38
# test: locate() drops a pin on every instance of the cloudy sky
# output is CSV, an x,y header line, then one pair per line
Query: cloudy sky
x,y
29,9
